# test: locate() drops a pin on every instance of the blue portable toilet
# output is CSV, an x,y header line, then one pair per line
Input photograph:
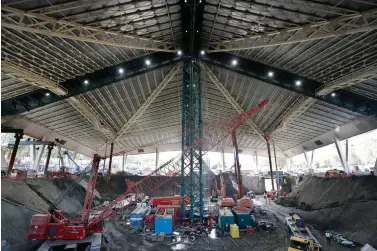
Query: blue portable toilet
x,y
163,224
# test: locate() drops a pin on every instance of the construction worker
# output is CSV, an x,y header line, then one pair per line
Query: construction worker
x,y
328,237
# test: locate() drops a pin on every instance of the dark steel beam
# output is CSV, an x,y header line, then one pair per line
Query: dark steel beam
x,y
110,161
49,150
18,135
31,142
287,80
10,130
270,162
97,79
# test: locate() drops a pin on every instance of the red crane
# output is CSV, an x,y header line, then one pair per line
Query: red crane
x,y
53,225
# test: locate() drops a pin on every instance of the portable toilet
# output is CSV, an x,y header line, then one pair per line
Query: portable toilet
x,y
163,224
234,231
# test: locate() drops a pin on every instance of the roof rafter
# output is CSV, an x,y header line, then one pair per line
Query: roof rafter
x,y
345,25
41,24
147,103
233,102
304,103
30,77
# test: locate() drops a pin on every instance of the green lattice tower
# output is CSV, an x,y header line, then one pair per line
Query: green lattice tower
x,y
192,130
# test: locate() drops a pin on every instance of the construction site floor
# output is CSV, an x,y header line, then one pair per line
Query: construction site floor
x,y
120,237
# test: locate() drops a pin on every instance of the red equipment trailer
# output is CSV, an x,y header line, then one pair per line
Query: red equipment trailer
x,y
168,200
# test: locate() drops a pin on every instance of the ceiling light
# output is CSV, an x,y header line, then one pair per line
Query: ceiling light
x,y
179,53
333,94
234,62
197,31
186,31
86,81
270,74
121,70
202,52
298,82
47,94
147,62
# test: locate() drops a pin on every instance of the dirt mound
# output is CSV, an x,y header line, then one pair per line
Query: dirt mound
x,y
346,205
317,193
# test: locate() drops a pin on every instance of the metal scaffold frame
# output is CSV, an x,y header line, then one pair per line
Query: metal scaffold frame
x,y
192,129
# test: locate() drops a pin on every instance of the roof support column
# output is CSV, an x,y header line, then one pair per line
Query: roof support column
x,y
276,167
3,158
61,156
124,161
341,155
49,150
33,155
347,150
223,159
270,162
309,160
39,157
18,136
157,157
110,161
256,161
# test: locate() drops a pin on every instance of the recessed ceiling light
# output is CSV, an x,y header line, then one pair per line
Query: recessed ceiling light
x,y
147,62
333,94
121,70
86,81
270,74
202,52
179,52
197,31
47,94
234,62
298,82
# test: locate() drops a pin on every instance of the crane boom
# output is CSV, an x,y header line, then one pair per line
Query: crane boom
x,y
216,133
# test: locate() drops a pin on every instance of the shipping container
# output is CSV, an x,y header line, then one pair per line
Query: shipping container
x,y
137,216
225,217
164,224
242,219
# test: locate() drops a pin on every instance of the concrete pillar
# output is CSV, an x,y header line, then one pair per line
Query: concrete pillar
x,y
49,150
309,160
3,159
157,157
256,161
39,157
347,150
223,159
124,160
104,160
18,136
110,161
341,155
277,170
33,155
269,160
62,162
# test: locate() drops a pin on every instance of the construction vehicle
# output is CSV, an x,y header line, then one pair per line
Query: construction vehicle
x,y
214,190
225,201
53,225
302,238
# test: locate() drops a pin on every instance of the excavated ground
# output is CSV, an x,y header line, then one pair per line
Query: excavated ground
x,y
345,205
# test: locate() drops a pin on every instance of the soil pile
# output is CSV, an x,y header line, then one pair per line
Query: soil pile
x,y
347,205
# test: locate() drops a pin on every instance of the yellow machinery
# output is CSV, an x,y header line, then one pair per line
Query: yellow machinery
x,y
299,243
234,231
